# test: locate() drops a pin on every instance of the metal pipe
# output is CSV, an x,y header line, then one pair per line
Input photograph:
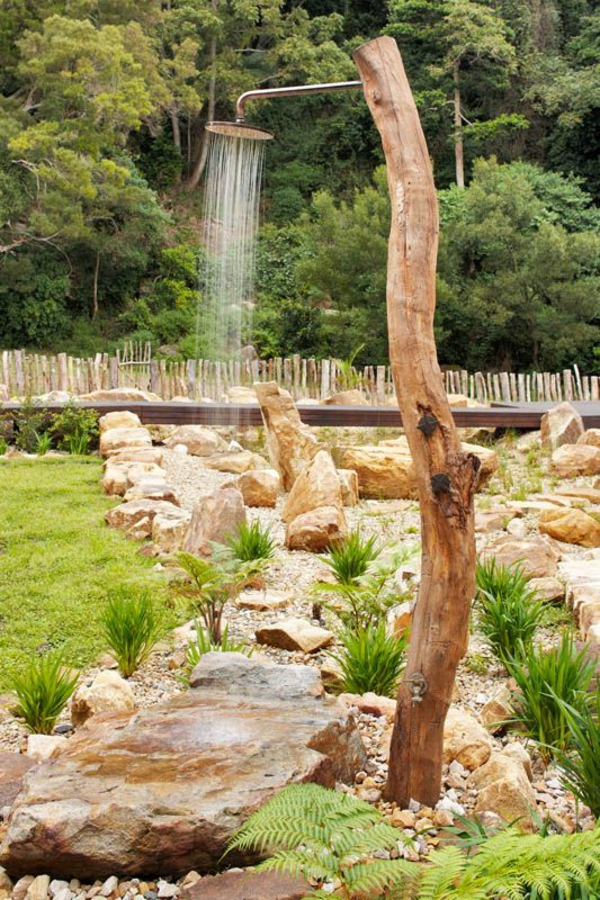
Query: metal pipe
x,y
292,91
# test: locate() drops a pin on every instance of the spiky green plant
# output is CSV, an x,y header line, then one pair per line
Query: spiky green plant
x,y
367,599
203,644
131,628
328,838
545,677
43,443
331,840
509,610
211,584
252,542
371,660
43,689
351,558
581,764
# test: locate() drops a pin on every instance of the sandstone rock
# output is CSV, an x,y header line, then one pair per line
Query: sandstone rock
x,y
214,518
294,634
119,477
120,419
517,751
152,489
42,746
465,740
317,530
497,711
236,462
352,397
348,486
550,589
165,788
129,514
259,487
572,526
38,889
371,704
488,521
590,438
200,441
247,886
13,768
122,395
291,444
262,601
331,674
538,556
317,485
561,425
385,471
458,400
239,394
108,692
169,529
54,397
517,528
143,454
504,789
576,459
117,439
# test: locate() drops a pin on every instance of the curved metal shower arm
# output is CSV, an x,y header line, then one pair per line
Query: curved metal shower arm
x,y
294,90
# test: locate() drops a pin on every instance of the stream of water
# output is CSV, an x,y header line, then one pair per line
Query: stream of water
x,y
234,173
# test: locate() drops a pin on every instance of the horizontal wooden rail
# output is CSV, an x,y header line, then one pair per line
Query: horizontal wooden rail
x,y
524,416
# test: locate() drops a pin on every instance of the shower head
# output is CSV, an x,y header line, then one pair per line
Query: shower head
x,y
240,130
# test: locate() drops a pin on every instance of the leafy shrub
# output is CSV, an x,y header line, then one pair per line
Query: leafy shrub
x,y
371,660
131,627
509,611
203,644
581,764
331,840
546,680
366,600
31,423
43,444
252,542
3,446
351,558
211,584
43,690
76,429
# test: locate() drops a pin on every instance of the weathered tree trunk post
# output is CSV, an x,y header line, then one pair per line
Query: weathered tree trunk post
x,y
446,475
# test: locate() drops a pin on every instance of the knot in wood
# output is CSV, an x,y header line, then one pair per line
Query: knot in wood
x,y
427,424
440,483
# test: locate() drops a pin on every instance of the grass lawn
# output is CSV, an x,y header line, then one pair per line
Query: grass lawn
x,y
58,560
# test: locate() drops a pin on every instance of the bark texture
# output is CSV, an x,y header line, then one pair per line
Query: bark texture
x,y
446,475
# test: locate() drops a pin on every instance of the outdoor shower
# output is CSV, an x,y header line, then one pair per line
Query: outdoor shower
x,y
241,129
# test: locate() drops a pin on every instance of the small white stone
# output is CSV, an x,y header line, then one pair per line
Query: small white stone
x,y
110,885
42,746
414,805
180,450
166,890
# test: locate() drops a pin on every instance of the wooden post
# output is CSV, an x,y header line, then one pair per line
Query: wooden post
x,y
446,476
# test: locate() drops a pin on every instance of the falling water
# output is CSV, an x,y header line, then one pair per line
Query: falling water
x,y
234,172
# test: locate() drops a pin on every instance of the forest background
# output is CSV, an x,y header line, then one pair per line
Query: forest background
x,y
102,154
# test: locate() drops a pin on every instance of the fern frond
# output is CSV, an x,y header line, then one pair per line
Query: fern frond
x,y
444,870
350,842
372,877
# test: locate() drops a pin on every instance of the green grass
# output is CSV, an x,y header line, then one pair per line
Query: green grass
x,y
59,561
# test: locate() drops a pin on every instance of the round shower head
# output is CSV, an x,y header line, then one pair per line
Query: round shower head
x,y
240,130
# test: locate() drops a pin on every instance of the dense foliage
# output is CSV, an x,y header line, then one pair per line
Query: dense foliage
x,y
102,151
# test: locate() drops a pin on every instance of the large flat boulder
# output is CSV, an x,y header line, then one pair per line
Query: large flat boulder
x,y
572,460
13,768
561,425
162,790
290,443
199,441
117,439
572,526
537,556
247,886
121,395
129,514
119,419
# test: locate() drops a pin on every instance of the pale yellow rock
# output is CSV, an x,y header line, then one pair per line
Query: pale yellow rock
x,y
290,443
505,790
352,397
465,740
43,746
129,514
119,419
316,530
118,439
488,521
122,395
573,460
318,485
561,425
262,601
294,634
119,477
537,556
572,526
108,692
215,517
458,400
236,462
550,589
517,751
200,441
240,394
169,530
497,711
590,438
349,486
152,489
143,454
38,889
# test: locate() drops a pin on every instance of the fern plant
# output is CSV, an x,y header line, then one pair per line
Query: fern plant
x,y
332,840
547,679
211,584
509,610
326,837
131,628
371,660
203,644
43,689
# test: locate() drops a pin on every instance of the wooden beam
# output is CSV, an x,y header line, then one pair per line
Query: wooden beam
x,y
446,476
